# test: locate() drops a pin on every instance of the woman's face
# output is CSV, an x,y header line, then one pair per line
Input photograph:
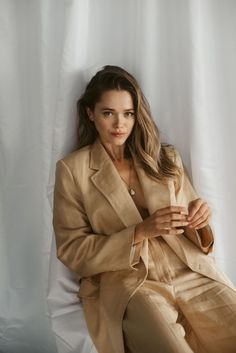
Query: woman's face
x,y
113,117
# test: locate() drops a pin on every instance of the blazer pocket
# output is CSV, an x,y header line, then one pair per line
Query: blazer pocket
x,y
88,289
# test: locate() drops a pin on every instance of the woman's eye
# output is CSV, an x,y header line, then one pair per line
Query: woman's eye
x,y
107,114
126,114
130,114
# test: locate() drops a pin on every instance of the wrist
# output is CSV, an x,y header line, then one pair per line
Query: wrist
x,y
138,234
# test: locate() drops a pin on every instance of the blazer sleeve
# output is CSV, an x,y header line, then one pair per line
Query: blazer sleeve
x,y
78,247
185,193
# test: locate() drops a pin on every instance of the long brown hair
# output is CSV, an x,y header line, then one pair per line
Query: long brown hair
x,y
144,140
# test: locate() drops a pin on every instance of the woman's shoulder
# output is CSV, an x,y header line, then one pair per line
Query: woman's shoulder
x,y
77,159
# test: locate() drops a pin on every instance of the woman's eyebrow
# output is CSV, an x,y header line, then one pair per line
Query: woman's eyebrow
x,y
125,110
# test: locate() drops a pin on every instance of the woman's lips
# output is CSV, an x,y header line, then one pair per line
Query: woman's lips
x,y
118,134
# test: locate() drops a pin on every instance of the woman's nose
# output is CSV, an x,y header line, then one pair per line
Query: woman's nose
x,y
119,120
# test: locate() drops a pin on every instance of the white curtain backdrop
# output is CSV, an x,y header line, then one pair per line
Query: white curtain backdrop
x,y
183,54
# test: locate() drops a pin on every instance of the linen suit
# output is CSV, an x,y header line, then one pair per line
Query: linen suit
x,y
94,219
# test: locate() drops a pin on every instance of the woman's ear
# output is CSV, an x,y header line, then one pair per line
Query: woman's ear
x,y
90,114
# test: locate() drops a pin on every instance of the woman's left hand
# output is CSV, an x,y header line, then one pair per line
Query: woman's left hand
x,y
199,214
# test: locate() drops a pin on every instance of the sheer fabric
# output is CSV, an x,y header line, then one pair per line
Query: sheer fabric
x,y
183,54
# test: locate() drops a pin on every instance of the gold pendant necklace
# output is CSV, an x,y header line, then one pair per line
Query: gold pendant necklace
x,y
130,189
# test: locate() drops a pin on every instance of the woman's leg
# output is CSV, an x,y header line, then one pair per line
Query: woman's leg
x,y
210,309
151,324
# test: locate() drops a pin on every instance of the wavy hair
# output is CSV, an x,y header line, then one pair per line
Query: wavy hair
x,y
155,157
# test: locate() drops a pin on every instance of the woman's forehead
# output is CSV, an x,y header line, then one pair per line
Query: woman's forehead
x,y
114,99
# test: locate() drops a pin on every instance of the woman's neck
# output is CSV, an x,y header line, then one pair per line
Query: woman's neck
x,y
116,153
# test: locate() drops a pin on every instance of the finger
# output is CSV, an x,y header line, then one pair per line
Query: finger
x,y
199,216
193,207
202,218
197,206
172,209
171,217
202,225
170,231
173,224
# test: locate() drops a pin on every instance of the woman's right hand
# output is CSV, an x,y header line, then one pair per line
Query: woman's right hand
x,y
163,221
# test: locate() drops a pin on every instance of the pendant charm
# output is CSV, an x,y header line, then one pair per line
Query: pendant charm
x,y
132,192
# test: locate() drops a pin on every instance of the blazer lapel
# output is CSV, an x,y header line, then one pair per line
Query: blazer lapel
x,y
159,195
109,183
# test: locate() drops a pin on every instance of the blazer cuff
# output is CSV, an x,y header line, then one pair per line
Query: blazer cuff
x,y
135,254
206,237
202,238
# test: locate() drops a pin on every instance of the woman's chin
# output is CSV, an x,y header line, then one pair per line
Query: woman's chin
x,y
119,142
116,141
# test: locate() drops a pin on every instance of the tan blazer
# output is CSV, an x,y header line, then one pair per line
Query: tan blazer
x,y
94,219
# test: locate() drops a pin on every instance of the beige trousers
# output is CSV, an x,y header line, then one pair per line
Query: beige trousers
x,y
179,311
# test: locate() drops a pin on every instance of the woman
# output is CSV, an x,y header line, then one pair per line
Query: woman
x,y
129,223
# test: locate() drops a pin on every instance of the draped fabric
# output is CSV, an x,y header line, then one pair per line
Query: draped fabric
x,y
182,53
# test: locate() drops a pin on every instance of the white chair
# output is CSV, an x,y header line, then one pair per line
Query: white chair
x,y
66,313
